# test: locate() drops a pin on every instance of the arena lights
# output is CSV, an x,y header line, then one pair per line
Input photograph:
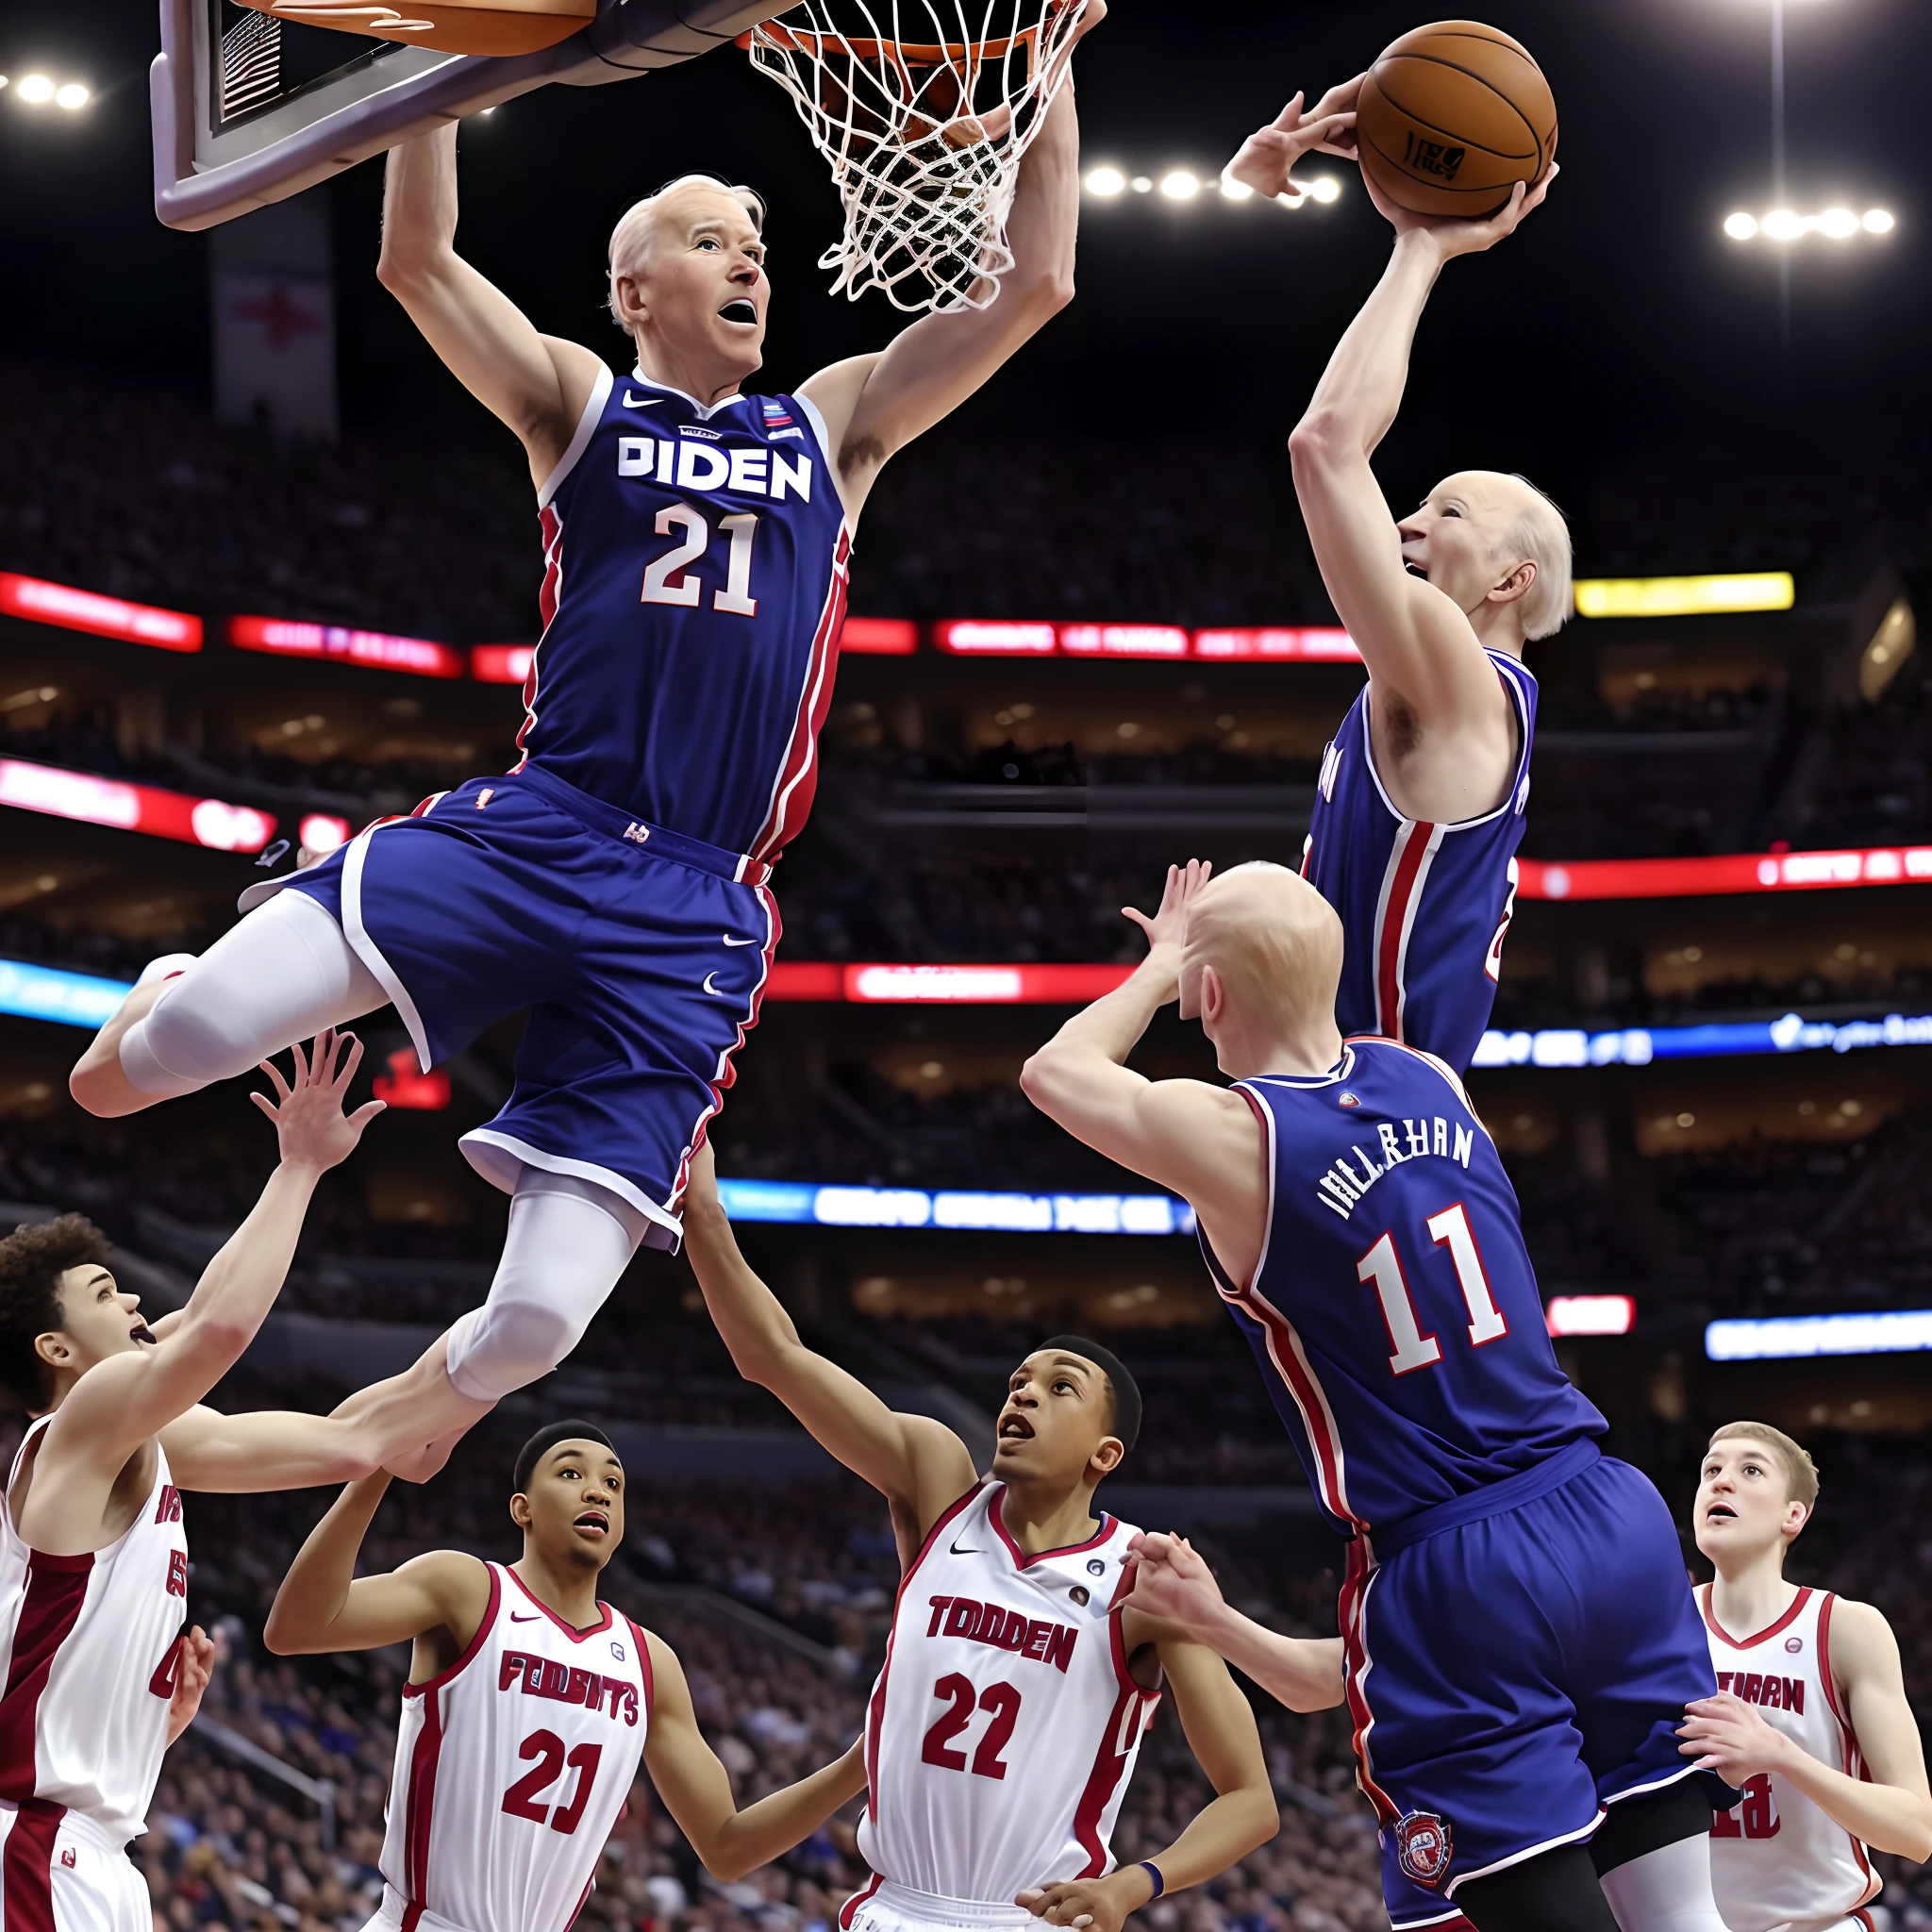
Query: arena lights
x,y
1589,1315
1791,1338
808,1204
1772,589
1011,638
162,814
1185,187
1724,874
104,617
1785,224
376,649
1638,1046
40,91
69,999
322,831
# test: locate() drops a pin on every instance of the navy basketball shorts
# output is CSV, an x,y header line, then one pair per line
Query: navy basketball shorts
x,y
640,953
1513,1675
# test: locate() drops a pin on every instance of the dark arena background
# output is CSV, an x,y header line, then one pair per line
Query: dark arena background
x,y
269,573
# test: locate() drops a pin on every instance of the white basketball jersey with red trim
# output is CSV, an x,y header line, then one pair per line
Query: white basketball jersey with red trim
x,y
88,1651
1004,1727
1777,1860
513,1765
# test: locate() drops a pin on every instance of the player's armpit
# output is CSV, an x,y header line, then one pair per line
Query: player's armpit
x,y
696,1788
262,1450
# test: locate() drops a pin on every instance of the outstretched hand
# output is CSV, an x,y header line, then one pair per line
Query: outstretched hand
x,y
1469,234
1266,158
1170,1581
1169,926
193,1667
308,1113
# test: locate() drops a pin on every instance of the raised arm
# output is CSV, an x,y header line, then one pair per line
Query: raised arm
x,y
537,384
266,1449
1203,1142
1888,1809
696,1789
122,1401
323,1606
874,406
1240,1817
1173,1582
920,1466
1420,648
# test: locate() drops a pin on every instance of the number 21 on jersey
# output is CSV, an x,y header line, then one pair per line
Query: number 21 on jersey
x,y
666,579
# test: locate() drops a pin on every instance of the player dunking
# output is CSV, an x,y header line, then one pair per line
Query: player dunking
x,y
1018,1684
529,1706
696,541
1520,1638
1810,1720
1420,805
93,1560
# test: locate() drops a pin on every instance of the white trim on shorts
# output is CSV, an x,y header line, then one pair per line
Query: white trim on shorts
x,y
364,947
1549,1844
504,1176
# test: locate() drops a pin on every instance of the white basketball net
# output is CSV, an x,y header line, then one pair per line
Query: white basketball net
x,y
924,109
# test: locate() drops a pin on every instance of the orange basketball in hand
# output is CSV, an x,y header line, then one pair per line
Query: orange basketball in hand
x,y
1452,117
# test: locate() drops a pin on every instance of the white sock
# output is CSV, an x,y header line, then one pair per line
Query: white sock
x,y
1665,1890
282,974
569,1240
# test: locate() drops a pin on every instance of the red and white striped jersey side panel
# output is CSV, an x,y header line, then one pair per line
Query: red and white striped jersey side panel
x,y
88,1650
797,784
1006,1724
1777,1858
512,1766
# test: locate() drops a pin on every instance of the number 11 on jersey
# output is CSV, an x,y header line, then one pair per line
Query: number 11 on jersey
x,y
1382,1266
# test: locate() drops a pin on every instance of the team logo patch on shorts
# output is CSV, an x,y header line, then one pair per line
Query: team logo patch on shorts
x,y
1422,1846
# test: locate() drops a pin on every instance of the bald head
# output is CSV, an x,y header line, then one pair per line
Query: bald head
x,y
1275,946
1521,526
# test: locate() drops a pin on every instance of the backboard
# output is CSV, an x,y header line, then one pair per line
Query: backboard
x,y
249,110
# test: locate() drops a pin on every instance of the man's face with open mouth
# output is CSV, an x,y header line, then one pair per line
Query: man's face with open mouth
x,y
1058,1410
576,1502
1742,1502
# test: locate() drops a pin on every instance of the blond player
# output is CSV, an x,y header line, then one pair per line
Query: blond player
x,y
93,1560
1018,1683
529,1706
1810,1719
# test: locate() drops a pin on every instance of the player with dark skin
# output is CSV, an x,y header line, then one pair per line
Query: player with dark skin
x,y
1053,1448
571,1514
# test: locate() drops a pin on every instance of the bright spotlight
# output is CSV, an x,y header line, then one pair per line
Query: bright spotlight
x,y
1841,223
1782,224
1326,188
36,89
1740,228
1105,181
1878,221
1180,185
1235,191
73,95
1141,184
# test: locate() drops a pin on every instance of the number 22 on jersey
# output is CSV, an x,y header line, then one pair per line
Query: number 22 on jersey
x,y
666,580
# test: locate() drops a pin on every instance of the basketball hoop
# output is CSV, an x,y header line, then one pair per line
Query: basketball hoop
x,y
925,116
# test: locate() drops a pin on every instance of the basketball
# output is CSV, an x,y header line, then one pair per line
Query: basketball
x,y
1451,118
501,27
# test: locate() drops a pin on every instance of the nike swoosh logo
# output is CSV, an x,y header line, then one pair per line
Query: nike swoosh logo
x,y
712,989
959,1552
516,1619
631,401
730,941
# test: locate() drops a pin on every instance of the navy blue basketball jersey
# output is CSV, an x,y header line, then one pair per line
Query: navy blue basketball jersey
x,y
1425,907
1394,1311
694,571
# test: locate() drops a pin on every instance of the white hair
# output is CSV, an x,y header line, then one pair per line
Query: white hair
x,y
630,240
1541,534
